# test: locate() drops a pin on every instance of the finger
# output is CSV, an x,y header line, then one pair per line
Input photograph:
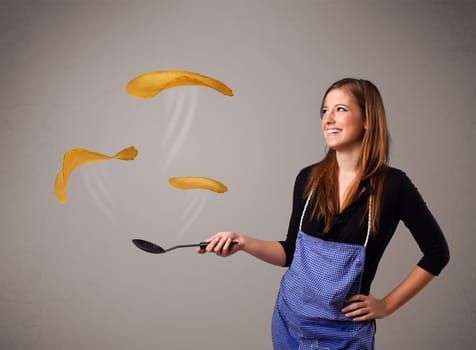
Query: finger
x,y
210,239
211,245
351,308
354,313
354,304
219,245
357,313
365,317
227,244
357,297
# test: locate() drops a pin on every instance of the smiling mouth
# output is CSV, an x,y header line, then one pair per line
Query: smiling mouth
x,y
333,131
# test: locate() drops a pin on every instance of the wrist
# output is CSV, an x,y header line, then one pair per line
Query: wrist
x,y
243,242
387,307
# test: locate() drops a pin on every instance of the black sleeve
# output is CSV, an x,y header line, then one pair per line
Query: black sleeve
x,y
424,228
289,244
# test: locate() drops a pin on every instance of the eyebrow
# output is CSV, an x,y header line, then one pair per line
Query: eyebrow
x,y
338,104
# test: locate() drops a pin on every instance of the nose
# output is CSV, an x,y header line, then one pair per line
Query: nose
x,y
329,118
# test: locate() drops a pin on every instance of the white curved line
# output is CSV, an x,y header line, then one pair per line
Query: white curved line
x,y
178,141
174,120
103,207
193,216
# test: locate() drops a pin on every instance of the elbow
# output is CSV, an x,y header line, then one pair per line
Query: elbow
x,y
442,260
435,262
445,258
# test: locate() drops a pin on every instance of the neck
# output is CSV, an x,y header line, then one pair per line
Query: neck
x,y
348,162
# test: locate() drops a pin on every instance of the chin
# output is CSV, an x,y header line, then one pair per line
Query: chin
x,y
332,145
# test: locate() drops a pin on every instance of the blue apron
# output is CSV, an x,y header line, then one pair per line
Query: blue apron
x,y
322,275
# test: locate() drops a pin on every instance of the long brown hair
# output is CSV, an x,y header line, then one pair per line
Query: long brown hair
x,y
373,159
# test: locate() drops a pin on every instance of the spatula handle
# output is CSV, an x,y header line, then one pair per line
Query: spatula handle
x,y
203,245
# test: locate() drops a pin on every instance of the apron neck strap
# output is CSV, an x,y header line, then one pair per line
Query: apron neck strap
x,y
369,221
304,211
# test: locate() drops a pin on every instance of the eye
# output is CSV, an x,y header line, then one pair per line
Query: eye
x,y
341,109
323,112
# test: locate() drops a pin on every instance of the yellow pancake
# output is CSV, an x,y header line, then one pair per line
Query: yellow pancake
x,y
77,157
197,182
151,83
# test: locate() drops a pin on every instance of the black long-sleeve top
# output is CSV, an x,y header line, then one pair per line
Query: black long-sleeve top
x,y
400,201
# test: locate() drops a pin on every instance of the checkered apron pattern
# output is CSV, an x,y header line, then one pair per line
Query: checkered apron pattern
x,y
313,291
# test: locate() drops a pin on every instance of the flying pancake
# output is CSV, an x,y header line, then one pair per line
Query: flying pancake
x,y
151,83
77,157
197,182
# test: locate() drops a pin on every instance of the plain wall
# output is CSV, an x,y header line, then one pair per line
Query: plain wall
x,y
70,277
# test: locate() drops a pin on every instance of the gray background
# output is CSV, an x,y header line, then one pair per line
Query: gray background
x,y
70,277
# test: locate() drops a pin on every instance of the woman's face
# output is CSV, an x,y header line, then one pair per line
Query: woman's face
x,y
342,121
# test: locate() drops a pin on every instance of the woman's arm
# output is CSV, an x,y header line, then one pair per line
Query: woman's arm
x,y
424,228
367,307
413,211
273,252
269,251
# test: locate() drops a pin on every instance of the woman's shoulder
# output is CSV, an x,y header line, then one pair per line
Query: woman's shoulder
x,y
303,177
396,178
394,173
305,172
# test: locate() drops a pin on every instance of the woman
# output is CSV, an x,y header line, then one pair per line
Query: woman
x,y
345,211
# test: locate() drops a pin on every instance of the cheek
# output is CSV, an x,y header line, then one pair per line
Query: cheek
x,y
356,124
322,124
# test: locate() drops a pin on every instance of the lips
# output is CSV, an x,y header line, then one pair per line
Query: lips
x,y
331,131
